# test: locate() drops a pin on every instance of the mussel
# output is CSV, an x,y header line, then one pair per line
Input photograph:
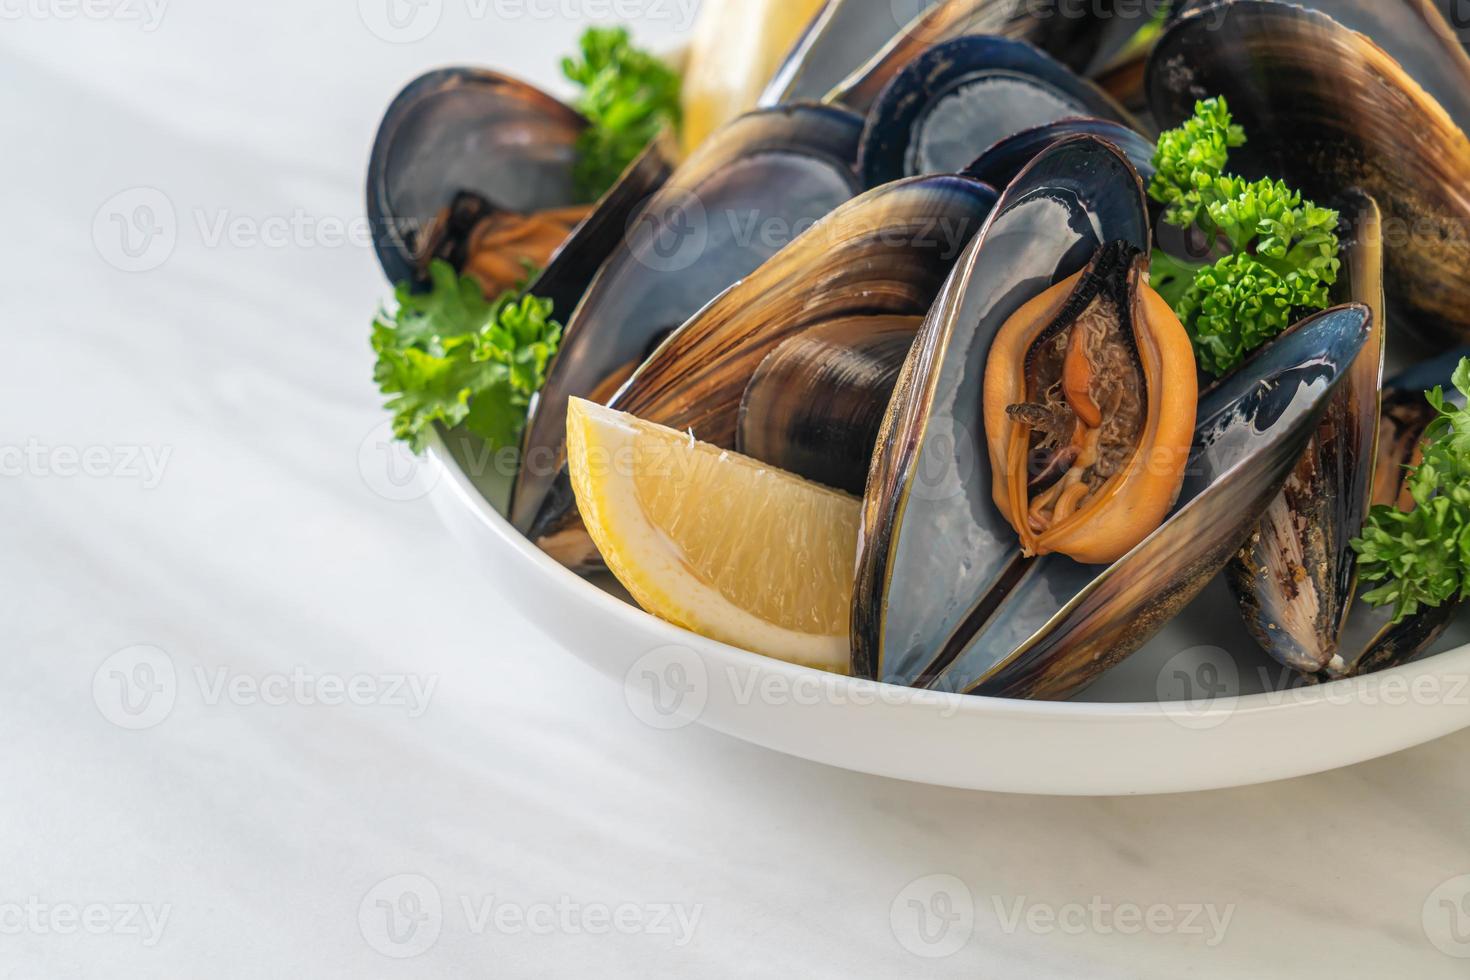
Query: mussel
x,y
747,191
884,255
1370,640
476,168
1000,164
816,403
1089,40
1414,33
959,98
1326,108
1296,577
945,597
1090,396
844,36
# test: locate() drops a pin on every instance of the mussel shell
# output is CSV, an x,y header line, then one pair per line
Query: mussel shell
x,y
1000,164
1415,33
726,210
815,404
1324,108
886,253
465,129
1086,44
933,547
845,35
1296,577
1371,640
571,270
1065,624
963,96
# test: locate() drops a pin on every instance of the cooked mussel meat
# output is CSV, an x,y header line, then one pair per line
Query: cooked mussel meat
x,y
493,245
1090,396
945,597
476,168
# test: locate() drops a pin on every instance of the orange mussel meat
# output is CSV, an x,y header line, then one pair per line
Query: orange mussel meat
x,y
1090,398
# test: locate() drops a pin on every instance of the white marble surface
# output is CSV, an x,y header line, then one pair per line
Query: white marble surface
x,y
256,833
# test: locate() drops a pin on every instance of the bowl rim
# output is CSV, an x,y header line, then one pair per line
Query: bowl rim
x,y
1322,696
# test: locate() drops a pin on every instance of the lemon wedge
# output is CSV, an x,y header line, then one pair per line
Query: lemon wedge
x,y
736,48
715,542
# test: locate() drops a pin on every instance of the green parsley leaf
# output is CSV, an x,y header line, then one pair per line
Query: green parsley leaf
x,y
1422,556
1189,159
453,357
1283,256
628,95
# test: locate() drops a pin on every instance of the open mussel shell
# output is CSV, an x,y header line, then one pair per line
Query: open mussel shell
x,y
885,254
816,403
1086,38
1000,164
1325,108
1062,624
933,546
844,36
1296,577
470,134
565,279
1371,641
747,191
961,97
1415,33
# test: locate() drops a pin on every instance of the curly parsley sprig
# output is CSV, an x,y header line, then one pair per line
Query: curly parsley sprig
x,y
451,356
628,95
1283,250
1422,556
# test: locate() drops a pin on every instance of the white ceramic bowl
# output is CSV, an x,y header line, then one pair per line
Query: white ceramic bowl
x,y
1199,708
